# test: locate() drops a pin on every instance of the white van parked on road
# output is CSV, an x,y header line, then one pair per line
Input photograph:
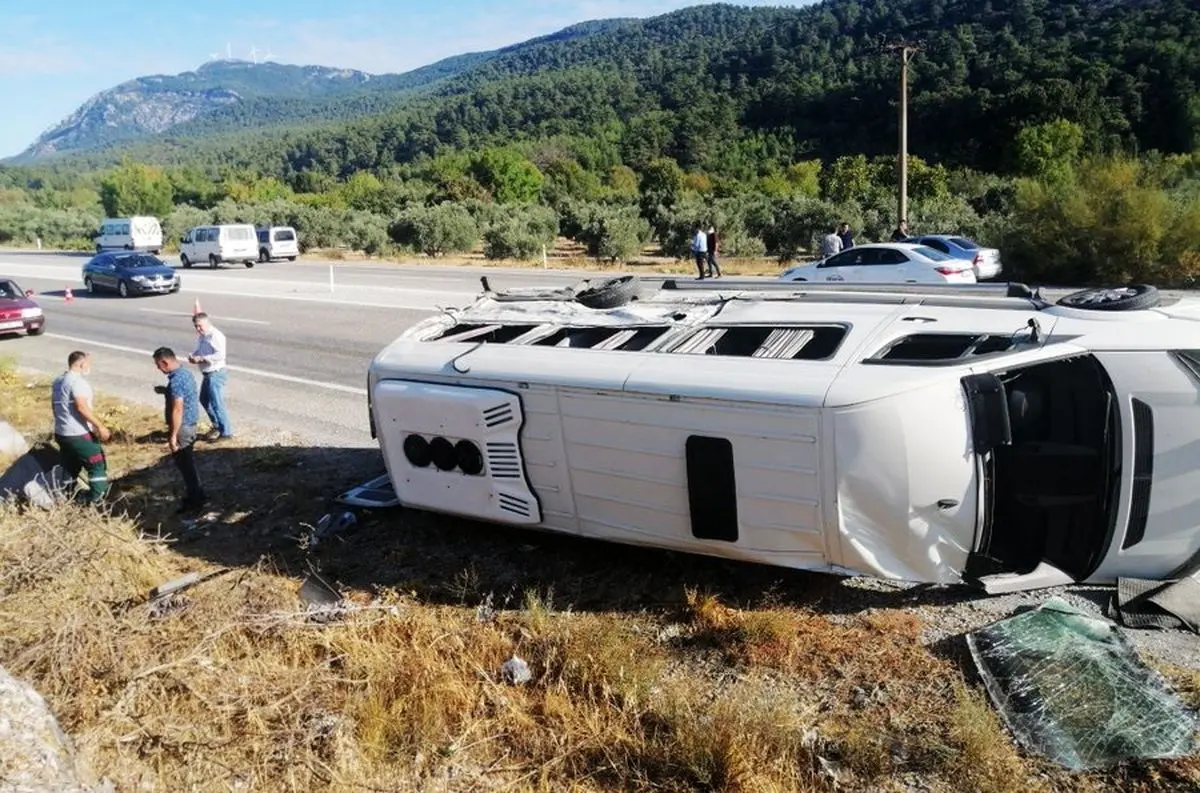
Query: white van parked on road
x,y
278,242
921,433
130,234
216,244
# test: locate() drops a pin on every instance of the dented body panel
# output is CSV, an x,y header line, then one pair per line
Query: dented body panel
x,y
818,432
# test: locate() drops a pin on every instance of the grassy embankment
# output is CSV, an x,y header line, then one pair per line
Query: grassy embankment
x,y
651,671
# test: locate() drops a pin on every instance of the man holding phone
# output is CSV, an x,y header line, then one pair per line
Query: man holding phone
x,y
182,414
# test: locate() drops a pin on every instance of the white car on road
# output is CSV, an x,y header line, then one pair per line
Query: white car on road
x,y
886,263
938,434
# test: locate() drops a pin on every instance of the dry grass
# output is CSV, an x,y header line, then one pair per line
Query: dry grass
x,y
640,681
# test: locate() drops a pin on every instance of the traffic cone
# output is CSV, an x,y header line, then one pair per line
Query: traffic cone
x,y
196,307
67,296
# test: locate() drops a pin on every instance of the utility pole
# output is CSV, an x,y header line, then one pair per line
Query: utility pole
x,y
906,49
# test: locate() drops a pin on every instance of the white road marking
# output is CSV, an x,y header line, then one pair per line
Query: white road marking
x,y
310,291
222,318
287,378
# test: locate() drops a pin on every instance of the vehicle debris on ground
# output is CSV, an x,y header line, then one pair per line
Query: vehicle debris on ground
x,y
1070,687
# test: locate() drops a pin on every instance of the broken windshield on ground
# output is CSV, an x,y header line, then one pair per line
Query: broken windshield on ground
x,y
1071,687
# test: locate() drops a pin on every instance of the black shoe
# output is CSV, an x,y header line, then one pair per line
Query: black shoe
x,y
187,505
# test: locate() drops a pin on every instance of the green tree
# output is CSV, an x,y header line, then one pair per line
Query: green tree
x,y
510,177
1049,151
623,181
136,189
848,179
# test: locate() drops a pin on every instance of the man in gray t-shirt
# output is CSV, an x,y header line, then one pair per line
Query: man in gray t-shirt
x,y
77,430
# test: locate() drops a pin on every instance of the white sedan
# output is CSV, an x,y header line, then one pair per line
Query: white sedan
x,y
886,263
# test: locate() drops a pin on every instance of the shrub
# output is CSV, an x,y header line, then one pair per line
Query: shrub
x,y
366,232
521,235
182,219
611,232
444,228
1112,223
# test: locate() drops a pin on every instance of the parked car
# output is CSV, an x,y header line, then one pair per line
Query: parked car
x,y
985,261
885,262
19,312
130,274
217,244
931,433
278,242
130,234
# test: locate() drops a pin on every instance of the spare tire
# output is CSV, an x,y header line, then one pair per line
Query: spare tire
x,y
1134,297
608,293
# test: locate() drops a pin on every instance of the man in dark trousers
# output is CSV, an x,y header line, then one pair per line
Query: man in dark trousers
x,y
77,430
847,236
182,414
901,232
712,240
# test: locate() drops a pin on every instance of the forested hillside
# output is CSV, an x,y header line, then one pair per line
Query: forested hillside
x,y
1039,126
730,89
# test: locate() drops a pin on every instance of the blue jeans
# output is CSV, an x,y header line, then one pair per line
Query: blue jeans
x,y
212,399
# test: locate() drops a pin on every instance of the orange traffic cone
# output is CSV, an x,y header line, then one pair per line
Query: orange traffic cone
x,y
196,307
67,296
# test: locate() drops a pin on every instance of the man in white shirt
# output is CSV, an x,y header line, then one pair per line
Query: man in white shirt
x,y
210,355
831,244
700,249
77,429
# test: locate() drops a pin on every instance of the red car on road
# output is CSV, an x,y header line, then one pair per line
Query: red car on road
x,y
19,312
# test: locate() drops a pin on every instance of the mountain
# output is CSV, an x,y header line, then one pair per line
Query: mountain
x,y
230,94
732,91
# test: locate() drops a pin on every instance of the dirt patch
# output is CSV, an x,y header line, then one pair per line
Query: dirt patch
x,y
650,670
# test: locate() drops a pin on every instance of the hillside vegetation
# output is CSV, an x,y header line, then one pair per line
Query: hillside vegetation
x,y
1062,132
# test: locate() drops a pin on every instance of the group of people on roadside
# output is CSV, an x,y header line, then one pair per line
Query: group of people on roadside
x,y
841,238
81,435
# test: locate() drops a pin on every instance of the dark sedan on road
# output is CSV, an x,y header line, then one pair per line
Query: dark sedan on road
x,y
19,312
130,274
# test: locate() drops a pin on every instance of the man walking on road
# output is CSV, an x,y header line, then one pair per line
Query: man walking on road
x,y
182,414
711,241
210,355
700,249
76,429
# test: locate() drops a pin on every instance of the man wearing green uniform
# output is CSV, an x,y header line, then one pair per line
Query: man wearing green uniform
x,y
78,432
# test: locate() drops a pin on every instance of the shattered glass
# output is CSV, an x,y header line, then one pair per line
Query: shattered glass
x,y
1071,687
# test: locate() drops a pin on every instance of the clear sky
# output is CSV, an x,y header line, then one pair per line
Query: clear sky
x,y
55,54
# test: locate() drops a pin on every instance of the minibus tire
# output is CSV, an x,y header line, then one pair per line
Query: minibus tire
x,y
1137,297
609,293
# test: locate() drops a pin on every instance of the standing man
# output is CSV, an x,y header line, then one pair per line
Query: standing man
x,y
210,355
700,249
847,236
76,429
182,414
711,241
831,244
901,232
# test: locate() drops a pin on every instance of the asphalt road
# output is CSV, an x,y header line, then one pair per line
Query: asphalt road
x,y
300,344
298,349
